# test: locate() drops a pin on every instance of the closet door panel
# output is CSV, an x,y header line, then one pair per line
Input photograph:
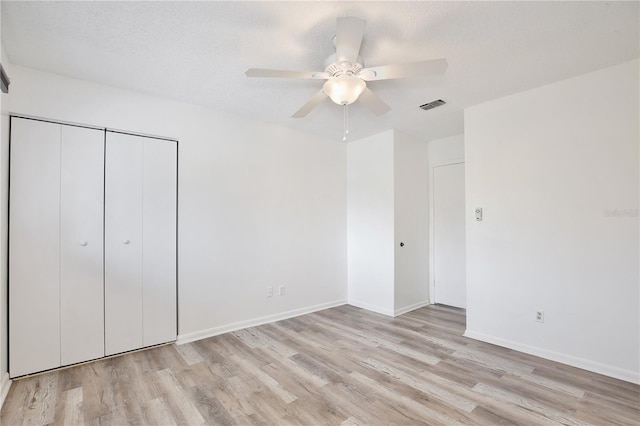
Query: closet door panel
x,y
159,241
123,243
34,247
81,244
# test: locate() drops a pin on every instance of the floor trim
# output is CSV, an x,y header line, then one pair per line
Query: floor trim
x,y
372,308
5,384
585,364
409,308
203,334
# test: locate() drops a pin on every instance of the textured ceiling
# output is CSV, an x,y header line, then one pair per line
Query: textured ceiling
x,y
198,51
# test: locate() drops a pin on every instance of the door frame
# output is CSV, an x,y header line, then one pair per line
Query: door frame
x,y
432,166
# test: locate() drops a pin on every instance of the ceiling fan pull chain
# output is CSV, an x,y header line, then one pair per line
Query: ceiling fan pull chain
x,y
346,123
346,112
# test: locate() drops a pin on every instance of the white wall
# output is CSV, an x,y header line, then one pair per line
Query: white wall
x,y
445,151
411,220
387,204
370,219
259,205
556,171
441,152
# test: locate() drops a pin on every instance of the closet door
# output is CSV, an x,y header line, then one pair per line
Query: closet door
x,y
123,243
159,241
81,245
140,242
34,247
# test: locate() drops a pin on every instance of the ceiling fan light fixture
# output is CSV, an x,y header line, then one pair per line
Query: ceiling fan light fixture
x,y
344,89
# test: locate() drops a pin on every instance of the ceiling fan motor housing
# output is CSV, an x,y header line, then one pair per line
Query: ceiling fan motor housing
x,y
335,68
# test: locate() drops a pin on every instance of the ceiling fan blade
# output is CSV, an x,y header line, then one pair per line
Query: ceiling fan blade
x,y
313,102
373,102
260,72
349,38
412,69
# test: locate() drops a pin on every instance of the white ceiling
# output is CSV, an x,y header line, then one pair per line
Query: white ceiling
x,y
198,52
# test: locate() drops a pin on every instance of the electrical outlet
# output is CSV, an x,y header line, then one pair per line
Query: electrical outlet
x,y
281,290
540,315
269,291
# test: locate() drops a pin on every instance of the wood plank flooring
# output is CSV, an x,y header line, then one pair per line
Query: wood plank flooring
x,y
341,366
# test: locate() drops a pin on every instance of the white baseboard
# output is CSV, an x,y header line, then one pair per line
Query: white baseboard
x,y
227,328
385,311
5,384
410,308
372,308
585,364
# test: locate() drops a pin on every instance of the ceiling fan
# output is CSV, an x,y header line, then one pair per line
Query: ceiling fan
x,y
345,74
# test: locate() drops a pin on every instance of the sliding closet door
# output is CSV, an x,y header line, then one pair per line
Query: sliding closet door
x,y
123,243
140,242
34,247
159,241
81,242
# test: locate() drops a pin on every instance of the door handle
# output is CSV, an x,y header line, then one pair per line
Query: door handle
x,y
83,243
126,242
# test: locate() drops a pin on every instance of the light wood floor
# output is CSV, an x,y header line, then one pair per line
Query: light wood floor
x,y
339,366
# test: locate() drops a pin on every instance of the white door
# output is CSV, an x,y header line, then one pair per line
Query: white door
x,y
140,242
449,235
159,292
123,243
81,243
34,247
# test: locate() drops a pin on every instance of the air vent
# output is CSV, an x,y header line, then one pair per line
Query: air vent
x,y
432,104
